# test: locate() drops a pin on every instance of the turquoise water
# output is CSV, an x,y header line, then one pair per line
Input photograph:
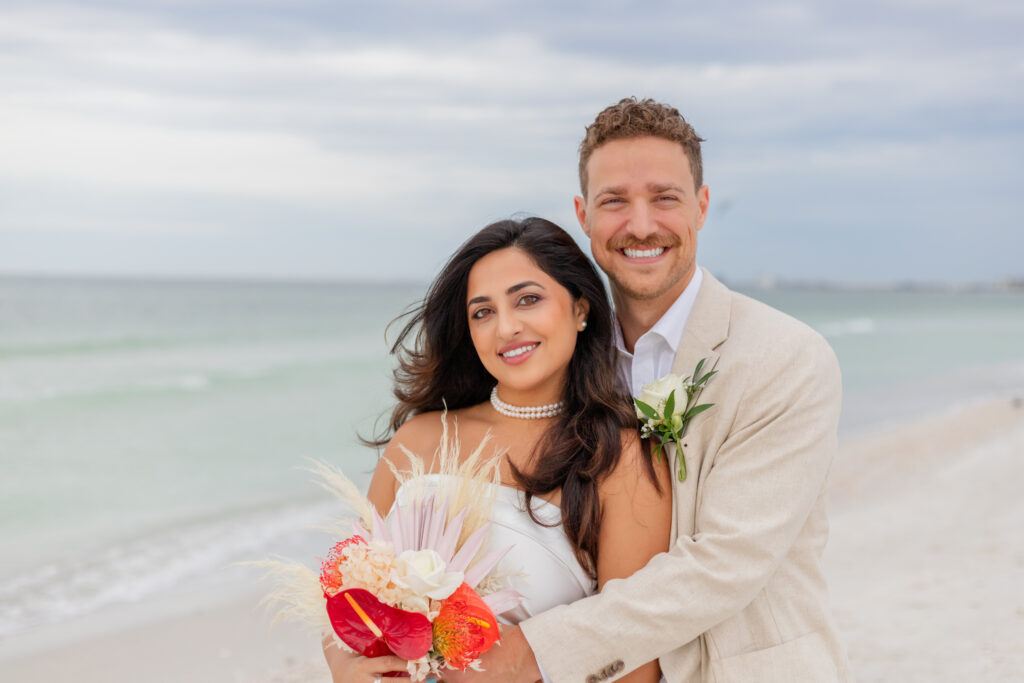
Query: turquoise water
x,y
906,353
886,338
152,433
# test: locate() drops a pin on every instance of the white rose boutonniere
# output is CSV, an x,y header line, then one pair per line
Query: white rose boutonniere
x,y
663,412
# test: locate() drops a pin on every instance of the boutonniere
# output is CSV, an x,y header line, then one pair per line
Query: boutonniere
x,y
663,412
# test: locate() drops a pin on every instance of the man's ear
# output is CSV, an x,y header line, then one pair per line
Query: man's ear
x,y
580,204
703,201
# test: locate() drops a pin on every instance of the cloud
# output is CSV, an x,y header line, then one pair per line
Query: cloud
x,y
433,117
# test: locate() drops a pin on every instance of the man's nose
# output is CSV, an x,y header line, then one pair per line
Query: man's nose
x,y
641,221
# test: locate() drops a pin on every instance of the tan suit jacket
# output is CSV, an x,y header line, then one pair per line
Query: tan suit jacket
x,y
740,596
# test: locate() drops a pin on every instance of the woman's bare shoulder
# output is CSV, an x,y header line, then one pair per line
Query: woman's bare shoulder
x,y
636,511
633,469
421,435
417,437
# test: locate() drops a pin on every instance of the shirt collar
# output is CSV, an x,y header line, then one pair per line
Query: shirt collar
x,y
672,323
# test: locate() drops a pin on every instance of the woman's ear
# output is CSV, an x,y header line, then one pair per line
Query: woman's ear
x,y
581,309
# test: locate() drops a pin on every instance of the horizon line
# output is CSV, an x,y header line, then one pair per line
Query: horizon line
x,y
764,282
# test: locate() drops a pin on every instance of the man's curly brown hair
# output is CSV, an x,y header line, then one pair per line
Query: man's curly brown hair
x,y
632,118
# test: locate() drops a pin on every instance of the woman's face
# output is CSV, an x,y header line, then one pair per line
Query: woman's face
x,y
523,324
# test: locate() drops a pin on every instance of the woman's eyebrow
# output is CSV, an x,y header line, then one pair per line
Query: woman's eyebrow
x,y
515,288
511,290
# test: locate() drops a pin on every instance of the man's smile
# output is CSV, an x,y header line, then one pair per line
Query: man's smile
x,y
646,254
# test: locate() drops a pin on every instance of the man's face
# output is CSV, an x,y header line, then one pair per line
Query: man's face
x,y
642,215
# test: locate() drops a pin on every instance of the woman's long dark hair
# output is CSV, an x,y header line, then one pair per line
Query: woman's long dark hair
x,y
441,370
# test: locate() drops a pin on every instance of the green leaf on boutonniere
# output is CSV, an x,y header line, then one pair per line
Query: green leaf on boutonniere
x,y
646,409
696,410
670,405
704,379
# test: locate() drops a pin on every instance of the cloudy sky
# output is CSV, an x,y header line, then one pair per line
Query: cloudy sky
x,y
334,139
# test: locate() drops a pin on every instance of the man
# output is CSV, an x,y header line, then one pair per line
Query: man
x,y
740,596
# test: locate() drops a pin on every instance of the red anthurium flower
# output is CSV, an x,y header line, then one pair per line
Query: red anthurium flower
x,y
374,629
465,628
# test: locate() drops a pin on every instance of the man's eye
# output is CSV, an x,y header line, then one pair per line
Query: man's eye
x,y
666,198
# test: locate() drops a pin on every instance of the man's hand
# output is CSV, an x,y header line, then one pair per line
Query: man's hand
x,y
510,660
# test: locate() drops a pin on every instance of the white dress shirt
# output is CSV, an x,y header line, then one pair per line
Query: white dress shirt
x,y
655,350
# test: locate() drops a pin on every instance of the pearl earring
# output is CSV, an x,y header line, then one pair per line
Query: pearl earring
x,y
583,325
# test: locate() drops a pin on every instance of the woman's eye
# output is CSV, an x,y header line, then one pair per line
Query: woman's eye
x,y
528,299
479,313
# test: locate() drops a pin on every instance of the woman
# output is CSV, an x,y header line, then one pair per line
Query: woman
x,y
514,338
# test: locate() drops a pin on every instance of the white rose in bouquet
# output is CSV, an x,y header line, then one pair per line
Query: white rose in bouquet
x,y
423,573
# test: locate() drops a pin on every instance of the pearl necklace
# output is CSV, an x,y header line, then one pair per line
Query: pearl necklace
x,y
527,413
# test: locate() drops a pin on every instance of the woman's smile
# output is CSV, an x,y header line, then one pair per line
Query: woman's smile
x,y
517,353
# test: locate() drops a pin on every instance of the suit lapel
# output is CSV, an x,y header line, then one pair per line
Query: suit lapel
x,y
706,329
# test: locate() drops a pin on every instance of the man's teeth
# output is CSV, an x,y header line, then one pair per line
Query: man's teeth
x,y
644,253
518,352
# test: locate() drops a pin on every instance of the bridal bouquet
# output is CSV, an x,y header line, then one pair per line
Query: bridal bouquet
x,y
417,584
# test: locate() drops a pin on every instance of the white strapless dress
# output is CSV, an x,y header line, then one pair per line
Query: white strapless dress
x,y
541,564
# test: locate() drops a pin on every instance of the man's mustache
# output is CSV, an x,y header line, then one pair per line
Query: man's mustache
x,y
653,242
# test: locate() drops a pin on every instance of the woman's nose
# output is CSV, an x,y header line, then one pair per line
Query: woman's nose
x,y
509,324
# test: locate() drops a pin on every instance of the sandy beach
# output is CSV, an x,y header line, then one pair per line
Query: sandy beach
x,y
924,565
926,555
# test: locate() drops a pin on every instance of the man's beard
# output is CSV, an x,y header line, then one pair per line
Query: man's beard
x,y
651,293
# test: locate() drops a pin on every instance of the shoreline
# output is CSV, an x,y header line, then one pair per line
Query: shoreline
x,y
199,636
922,563
865,466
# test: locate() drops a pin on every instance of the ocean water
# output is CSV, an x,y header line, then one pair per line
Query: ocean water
x,y
907,353
152,434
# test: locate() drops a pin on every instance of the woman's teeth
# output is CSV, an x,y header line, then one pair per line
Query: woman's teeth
x,y
643,253
518,352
